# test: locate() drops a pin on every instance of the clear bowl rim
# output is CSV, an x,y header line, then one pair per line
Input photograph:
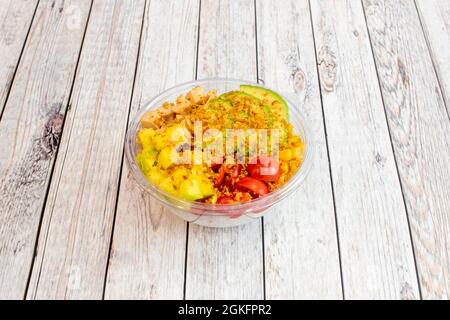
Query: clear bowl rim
x,y
254,205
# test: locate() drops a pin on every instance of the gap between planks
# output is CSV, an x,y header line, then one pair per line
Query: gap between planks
x,y
122,20
9,85
393,152
32,97
56,156
123,153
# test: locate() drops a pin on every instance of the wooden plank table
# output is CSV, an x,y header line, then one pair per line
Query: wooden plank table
x,y
371,77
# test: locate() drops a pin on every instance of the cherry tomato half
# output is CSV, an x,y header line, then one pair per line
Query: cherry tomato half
x,y
220,177
216,163
225,200
244,197
265,169
215,166
251,184
229,200
235,171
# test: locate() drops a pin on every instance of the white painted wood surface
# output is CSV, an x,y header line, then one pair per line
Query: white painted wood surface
x,y
435,18
420,131
76,230
36,104
226,263
148,250
301,250
375,94
15,20
375,246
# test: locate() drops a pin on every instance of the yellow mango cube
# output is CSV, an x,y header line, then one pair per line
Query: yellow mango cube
x,y
165,159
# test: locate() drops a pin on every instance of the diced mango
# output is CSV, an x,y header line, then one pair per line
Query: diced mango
x,y
159,141
166,184
196,187
178,134
156,175
179,175
206,187
214,198
190,190
165,159
145,137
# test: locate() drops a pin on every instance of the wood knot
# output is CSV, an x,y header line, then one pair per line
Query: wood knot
x,y
402,72
379,160
51,134
407,292
299,81
327,69
297,75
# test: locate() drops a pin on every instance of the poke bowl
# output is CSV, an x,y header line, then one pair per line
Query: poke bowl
x,y
173,151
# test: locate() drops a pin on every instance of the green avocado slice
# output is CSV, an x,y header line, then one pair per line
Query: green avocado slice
x,y
251,100
277,103
219,104
238,96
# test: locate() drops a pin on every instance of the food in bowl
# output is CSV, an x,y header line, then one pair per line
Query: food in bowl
x,y
219,149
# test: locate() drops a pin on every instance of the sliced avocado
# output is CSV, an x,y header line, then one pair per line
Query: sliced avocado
x,y
269,113
238,96
283,131
254,102
219,104
278,105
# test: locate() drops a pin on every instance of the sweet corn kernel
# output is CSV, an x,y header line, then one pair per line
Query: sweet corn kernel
x,y
286,154
298,152
284,167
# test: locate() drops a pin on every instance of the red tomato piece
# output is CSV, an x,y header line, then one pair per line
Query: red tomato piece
x,y
220,177
265,169
229,200
251,184
235,171
225,200
216,163
228,182
245,197
231,174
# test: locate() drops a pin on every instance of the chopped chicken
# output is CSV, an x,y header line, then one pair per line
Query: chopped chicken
x,y
156,118
195,95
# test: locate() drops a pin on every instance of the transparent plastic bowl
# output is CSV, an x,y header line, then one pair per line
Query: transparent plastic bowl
x,y
213,215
